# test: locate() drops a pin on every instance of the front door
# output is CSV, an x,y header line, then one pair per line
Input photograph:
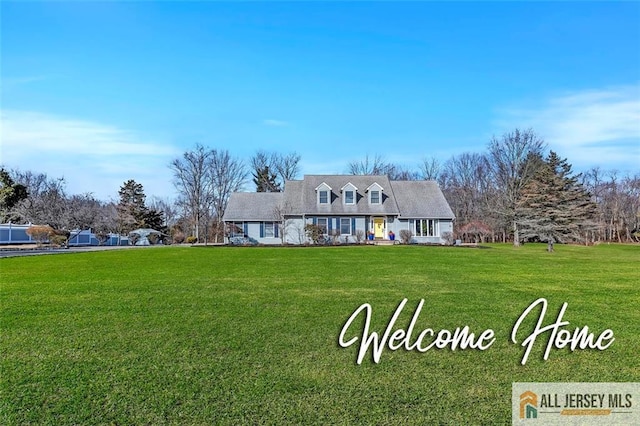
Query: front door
x,y
378,227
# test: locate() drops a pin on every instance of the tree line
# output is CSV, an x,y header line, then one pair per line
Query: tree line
x,y
514,191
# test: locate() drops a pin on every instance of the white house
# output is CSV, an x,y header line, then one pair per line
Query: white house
x,y
347,206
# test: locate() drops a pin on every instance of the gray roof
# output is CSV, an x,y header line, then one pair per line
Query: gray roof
x,y
409,199
252,206
421,199
304,195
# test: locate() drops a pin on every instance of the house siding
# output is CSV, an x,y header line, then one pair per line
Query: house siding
x,y
255,230
444,225
294,232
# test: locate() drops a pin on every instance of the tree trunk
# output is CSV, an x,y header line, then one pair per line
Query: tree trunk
x,y
516,236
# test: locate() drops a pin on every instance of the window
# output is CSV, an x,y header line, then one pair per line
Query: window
x,y
375,193
269,230
322,224
425,227
375,197
323,197
345,226
349,197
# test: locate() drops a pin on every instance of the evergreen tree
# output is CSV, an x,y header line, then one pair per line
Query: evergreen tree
x,y
11,193
554,206
131,208
266,180
154,219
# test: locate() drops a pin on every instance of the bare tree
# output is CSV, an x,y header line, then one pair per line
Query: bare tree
x,y
46,203
168,209
465,181
631,203
368,166
271,170
288,166
228,175
378,166
263,165
514,159
282,216
399,172
107,220
618,204
430,168
192,180
83,212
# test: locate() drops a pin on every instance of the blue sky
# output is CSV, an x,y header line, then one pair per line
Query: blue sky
x,y
102,92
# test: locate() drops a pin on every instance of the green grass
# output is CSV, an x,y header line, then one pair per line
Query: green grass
x,y
181,335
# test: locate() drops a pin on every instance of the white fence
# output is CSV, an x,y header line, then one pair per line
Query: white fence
x,y
11,233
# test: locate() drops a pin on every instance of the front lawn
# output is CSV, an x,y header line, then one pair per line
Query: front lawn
x,y
204,335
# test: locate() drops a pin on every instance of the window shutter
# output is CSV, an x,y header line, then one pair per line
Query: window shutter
x,y
314,220
276,230
353,225
245,228
261,229
329,225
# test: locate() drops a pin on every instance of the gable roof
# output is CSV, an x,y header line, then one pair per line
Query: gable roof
x,y
323,185
252,206
408,199
348,185
421,199
305,195
374,184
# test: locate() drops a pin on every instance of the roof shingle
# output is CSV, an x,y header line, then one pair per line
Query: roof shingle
x,y
408,199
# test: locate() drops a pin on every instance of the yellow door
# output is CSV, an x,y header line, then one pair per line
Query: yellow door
x,y
378,227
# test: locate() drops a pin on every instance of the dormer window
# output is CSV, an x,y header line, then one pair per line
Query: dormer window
x,y
349,197
375,193
349,193
324,193
375,197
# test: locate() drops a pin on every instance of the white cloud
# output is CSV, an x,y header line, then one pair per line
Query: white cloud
x,y
590,128
93,157
274,123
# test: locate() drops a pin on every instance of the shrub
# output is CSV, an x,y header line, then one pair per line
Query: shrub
x,y
448,238
178,237
359,236
335,237
154,239
405,236
40,233
191,239
63,236
58,240
314,233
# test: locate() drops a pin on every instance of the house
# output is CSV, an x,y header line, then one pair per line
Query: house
x,y
348,207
